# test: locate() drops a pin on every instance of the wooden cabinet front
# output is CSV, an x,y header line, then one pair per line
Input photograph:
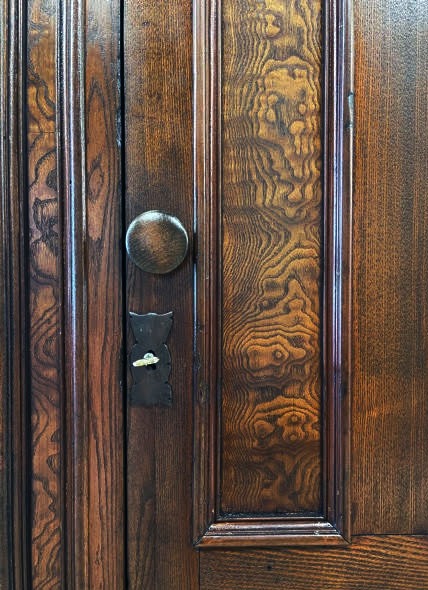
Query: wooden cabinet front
x,y
289,450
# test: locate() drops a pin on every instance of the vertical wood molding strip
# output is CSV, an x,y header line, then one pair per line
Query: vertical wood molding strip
x,y
73,148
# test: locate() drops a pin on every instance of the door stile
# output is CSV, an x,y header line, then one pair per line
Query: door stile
x,y
158,130
89,157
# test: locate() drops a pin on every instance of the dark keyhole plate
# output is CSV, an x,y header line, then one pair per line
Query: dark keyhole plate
x,y
150,360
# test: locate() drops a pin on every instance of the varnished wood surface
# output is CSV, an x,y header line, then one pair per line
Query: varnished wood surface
x,y
159,175
105,243
390,389
43,247
72,148
389,457
272,217
372,563
46,277
210,527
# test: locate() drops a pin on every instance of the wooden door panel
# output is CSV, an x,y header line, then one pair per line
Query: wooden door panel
x,y
103,271
270,193
237,116
272,274
390,473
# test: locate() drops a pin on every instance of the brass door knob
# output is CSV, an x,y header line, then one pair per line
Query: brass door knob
x,y
157,242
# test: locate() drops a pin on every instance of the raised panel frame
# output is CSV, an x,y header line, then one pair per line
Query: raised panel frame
x,y
209,529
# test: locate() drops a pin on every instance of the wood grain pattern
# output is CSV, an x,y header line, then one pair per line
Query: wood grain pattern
x,y
43,201
391,272
211,526
373,563
390,483
44,297
159,175
104,303
272,219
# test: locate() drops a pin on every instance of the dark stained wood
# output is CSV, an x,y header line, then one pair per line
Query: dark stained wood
x,y
390,334
271,282
104,243
44,297
372,563
156,242
150,360
93,309
5,579
272,532
211,526
62,314
48,312
6,296
337,229
4,435
16,526
207,289
72,137
159,175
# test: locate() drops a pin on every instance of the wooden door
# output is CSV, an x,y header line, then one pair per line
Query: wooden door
x,y
286,444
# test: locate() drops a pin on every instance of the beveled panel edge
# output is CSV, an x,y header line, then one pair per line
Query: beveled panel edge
x,y
337,186
276,533
338,154
206,45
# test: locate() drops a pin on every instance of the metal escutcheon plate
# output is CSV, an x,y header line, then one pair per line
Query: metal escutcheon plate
x,y
157,242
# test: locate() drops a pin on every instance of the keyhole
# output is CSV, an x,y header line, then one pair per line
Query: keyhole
x,y
151,367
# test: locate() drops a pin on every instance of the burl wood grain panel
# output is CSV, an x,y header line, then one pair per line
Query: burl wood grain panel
x,y
106,543
271,279
44,295
390,389
371,563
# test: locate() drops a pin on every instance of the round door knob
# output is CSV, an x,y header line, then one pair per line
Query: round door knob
x,y
156,242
